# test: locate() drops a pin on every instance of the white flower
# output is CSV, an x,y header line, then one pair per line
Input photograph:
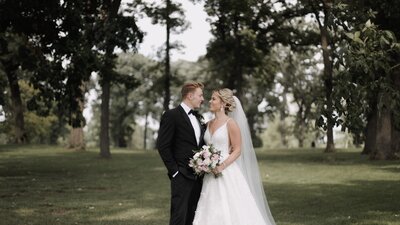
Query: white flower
x,y
206,147
205,160
196,156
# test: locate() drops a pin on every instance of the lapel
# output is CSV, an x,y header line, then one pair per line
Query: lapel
x,y
202,131
188,123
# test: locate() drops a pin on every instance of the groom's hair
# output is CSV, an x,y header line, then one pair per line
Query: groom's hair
x,y
189,87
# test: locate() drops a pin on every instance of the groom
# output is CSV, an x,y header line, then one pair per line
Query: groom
x,y
180,133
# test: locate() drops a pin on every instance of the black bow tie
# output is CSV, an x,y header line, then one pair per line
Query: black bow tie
x,y
195,113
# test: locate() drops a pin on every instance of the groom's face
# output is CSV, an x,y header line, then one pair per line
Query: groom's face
x,y
196,98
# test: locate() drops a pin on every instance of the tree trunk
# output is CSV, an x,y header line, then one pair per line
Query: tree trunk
x,y
301,142
330,146
395,142
251,116
282,125
112,7
235,80
357,141
301,126
119,130
105,118
145,130
167,75
77,120
76,139
17,106
383,146
121,139
396,129
370,132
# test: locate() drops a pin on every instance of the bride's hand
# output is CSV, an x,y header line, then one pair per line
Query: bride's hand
x,y
219,169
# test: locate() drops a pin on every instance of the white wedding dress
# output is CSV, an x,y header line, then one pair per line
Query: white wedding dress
x,y
226,200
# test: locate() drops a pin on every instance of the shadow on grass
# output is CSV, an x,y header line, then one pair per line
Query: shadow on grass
x,y
80,188
57,186
361,202
318,157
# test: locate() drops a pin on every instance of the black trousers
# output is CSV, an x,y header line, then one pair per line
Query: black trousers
x,y
185,195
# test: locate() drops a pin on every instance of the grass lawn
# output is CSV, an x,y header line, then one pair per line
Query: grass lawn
x,y
51,185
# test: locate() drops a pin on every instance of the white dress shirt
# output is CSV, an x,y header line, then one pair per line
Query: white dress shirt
x,y
193,121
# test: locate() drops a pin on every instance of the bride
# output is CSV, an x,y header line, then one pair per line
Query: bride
x,y
237,197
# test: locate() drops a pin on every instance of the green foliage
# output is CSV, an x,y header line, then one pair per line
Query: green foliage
x,y
239,54
301,84
165,12
39,128
370,63
3,88
42,124
129,104
54,48
386,14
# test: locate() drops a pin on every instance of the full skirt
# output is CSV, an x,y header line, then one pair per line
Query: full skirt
x,y
227,200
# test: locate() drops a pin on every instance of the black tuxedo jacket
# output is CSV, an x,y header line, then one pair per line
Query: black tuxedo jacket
x,y
176,141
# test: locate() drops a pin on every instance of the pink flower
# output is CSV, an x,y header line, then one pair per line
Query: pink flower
x,y
205,160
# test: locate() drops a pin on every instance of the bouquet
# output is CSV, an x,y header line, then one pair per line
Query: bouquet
x,y
205,160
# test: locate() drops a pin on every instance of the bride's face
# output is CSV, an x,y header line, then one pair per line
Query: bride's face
x,y
215,103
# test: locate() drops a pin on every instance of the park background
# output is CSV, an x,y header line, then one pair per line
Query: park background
x,y
82,92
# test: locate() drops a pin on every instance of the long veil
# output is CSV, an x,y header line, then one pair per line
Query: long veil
x,y
248,163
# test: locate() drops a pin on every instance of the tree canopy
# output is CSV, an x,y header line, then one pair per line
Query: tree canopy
x,y
311,67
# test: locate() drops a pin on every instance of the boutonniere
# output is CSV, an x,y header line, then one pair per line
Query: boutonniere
x,y
199,117
202,120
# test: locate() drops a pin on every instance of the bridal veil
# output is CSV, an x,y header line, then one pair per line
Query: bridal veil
x,y
248,163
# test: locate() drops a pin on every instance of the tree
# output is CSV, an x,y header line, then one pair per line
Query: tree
x,y
111,29
127,103
386,15
76,47
26,30
301,80
324,15
244,33
56,52
361,81
10,64
170,14
372,62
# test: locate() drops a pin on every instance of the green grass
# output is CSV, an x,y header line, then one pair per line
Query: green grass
x,y
51,185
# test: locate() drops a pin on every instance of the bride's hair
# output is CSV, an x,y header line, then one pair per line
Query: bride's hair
x,y
226,96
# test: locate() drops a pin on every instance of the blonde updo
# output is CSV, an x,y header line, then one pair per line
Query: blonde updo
x,y
226,96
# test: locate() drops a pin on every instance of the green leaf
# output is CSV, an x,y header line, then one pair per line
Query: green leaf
x,y
390,35
368,24
383,42
358,40
357,34
350,35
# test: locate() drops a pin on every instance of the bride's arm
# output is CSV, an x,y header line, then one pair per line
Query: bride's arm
x,y
235,141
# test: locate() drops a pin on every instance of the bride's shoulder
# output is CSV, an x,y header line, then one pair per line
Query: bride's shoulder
x,y
231,122
233,127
